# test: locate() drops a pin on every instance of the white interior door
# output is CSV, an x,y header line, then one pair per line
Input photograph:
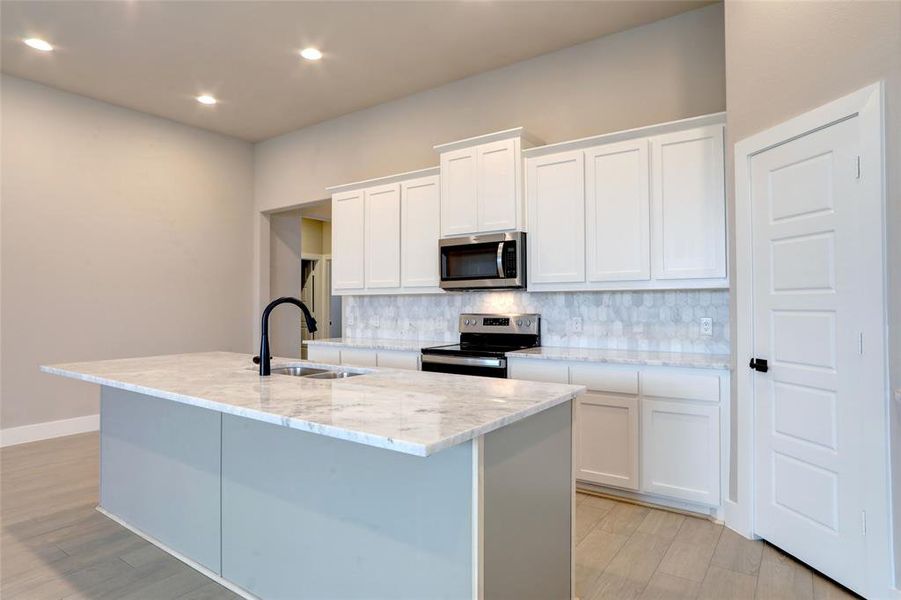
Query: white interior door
x,y
811,307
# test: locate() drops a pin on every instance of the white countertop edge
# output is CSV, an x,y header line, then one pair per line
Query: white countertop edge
x,y
375,441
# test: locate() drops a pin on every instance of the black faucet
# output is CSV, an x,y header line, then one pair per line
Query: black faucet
x,y
264,357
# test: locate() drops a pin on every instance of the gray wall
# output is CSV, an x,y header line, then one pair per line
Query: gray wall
x,y
667,70
122,235
785,58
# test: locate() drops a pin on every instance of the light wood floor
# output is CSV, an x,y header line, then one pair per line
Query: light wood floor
x,y
54,545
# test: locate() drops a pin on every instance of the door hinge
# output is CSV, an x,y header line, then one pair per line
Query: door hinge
x,y
863,522
858,167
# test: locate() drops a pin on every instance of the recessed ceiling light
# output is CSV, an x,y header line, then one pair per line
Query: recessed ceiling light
x,y
207,99
311,54
39,44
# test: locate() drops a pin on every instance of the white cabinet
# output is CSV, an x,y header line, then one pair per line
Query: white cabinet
x,y
383,236
420,230
689,214
394,359
348,240
499,166
661,432
458,182
556,201
680,450
629,210
324,354
618,212
359,357
481,184
607,439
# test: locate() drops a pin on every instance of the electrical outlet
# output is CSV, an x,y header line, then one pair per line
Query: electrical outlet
x,y
706,326
577,325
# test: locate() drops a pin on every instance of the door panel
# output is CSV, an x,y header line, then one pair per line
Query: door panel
x,y
617,212
808,303
689,204
420,222
680,450
556,193
496,174
607,440
459,201
348,240
383,236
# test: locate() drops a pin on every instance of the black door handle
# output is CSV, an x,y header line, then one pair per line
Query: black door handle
x,y
759,364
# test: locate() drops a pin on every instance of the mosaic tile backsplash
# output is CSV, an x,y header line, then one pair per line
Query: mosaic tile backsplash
x,y
654,320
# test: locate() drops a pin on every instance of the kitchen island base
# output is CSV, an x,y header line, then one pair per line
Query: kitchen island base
x,y
280,513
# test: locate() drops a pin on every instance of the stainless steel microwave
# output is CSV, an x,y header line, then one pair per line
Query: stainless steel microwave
x,y
492,261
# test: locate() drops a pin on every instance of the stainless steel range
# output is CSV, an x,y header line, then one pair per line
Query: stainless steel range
x,y
485,340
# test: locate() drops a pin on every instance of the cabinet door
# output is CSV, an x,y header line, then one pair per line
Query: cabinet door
x,y
617,212
688,204
607,440
348,240
556,194
496,176
324,354
680,453
420,230
358,357
383,236
398,360
459,203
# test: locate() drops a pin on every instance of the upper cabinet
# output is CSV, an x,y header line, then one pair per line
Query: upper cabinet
x,y
688,204
385,235
482,183
642,209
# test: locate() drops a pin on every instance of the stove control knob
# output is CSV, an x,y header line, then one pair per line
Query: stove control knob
x,y
519,322
466,322
528,322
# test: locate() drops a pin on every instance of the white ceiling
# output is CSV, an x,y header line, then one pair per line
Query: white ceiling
x,y
157,56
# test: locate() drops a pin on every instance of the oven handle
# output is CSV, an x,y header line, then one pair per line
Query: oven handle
x,y
467,361
500,260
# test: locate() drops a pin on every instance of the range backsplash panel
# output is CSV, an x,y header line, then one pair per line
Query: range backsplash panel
x,y
653,320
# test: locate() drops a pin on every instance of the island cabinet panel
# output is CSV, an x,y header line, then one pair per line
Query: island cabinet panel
x,y
159,471
307,516
348,240
527,504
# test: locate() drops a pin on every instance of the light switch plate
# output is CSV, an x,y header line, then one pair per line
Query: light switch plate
x,y
706,326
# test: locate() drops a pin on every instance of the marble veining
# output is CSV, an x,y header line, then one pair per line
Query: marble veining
x,y
376,343
406,411
656,320
628,357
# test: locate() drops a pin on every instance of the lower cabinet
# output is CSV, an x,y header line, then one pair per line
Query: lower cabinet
x,y
653,430
680,450
363,357
607,440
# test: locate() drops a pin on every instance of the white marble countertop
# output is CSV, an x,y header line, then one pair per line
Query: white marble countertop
x,y
407,411
627,357
377,343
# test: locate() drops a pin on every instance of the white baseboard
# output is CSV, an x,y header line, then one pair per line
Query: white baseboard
x,y
47,430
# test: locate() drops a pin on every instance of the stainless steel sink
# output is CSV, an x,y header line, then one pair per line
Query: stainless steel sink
x,y
298,371
313,372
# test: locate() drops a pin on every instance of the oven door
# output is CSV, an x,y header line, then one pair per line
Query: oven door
x,y
483,261
465,365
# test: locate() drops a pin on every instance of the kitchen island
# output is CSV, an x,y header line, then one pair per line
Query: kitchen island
x,y
384,484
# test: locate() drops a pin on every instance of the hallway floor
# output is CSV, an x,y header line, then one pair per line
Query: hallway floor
x,y
54,545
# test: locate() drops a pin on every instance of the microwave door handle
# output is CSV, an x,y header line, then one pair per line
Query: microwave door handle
x,y
500,260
